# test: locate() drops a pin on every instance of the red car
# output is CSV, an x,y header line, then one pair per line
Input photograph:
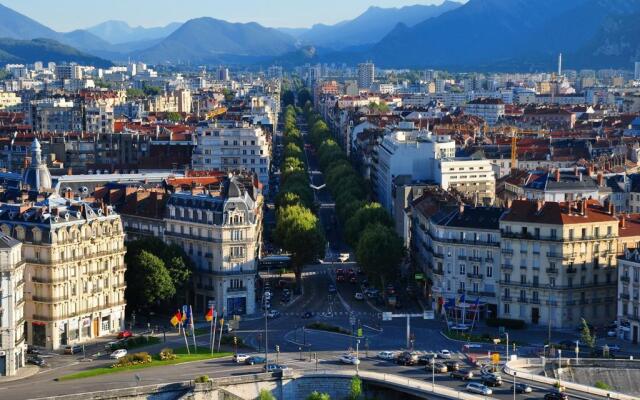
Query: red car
x,y
125,334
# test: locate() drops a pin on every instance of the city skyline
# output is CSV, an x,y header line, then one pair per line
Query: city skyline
x,y
69,15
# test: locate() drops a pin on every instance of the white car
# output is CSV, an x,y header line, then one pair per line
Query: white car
x,y
240,358
273,314
479,388
343,257
359,296
118,354
444,354
387,355
349,359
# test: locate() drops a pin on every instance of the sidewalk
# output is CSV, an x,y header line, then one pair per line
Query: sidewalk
x,y
24,372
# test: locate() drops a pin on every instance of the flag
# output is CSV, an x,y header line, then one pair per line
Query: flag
x,y
221,322
185,314
176,319
450,303
209,315
462,299
477,303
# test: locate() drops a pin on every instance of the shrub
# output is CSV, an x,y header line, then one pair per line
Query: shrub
x,y
229,340
266,395
506,322
603,385
133,359
202,379
326,327
167,354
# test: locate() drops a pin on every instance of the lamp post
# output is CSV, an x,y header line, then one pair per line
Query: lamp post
x,y
559,368
577,350
514,385
433,375
507,336
357,353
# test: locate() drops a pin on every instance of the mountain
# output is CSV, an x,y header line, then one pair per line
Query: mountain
x,y
295,32
117,32
209,40
29,51
17,26
521,33
372,25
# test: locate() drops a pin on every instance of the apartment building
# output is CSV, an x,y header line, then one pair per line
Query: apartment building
x,y
489,109
12,335
55,115
9,99
233,147
99,117
366,75
558,263
220,230
474,178
628,309
464,243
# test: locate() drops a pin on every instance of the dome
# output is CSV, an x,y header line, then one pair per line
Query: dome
x,y
37,175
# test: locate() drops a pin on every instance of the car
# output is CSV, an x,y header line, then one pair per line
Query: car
x,y
332,288
612,333
492,381
444,354
113,345
426,359
275,368
353,280
437,367
226,328
343,257
240,357
33,350
37,360
255,360
495,375
358,296
479,388
387,355
307,315
371,292
407,358
555,395
463,374
522,388
125,334
72,349
273,314
118,354
611,346
452,365
349,359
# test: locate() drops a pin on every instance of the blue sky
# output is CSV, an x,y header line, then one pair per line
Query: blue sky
x,y
65,15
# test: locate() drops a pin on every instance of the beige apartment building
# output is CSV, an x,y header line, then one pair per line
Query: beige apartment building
x,y
12,335
558,263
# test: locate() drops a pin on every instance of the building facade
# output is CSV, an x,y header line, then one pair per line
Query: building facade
x,y
489,109
629,295
12,326
366,75
473,178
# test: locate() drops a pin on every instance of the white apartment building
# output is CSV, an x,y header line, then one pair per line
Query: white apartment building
x,y
629,295
413,153
473,178
12,335
233,147
99,117
8,99
366,75
489,109
221,232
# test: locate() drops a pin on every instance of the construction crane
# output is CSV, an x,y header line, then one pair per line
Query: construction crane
x,y
215,112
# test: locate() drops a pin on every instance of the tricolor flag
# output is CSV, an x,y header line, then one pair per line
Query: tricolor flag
x,y
209,315
176,319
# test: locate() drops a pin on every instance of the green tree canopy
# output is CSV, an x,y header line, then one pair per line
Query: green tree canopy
x,y
318,396
293,150
133,93
355,388
149,281
304,95
379,252
586,337
174,116
266,395
372,213
298,231
288,98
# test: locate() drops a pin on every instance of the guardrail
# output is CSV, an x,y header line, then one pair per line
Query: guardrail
x,y
516,365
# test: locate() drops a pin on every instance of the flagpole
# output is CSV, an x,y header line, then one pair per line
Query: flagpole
x,y
193,330
184,333
220,336
214,322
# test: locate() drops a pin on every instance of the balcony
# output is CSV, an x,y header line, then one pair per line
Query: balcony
x,y
475,276
507,267
489,259
572,270
552,270
553,254
523,267
625,296
438,272
523,300
535,301
507,298
463,258
488,294
508,252
476,259
625,279
237,290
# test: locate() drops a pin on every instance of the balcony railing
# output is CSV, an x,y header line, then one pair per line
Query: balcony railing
x,y
552,270
475,276
507,266
625,296
625,279
571,270
507,298
236,290
507,251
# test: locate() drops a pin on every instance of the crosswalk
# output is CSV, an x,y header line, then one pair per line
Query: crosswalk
x,y
331,314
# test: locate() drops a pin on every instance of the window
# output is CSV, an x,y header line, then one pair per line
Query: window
x,y
489,271
571,234
584,233
552,281
462,286
507,278
506,308
462,269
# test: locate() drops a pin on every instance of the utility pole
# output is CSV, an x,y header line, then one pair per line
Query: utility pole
x,y
357,354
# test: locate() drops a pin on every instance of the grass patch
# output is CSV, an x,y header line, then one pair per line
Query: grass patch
x,y
603,385
326,327
483,338
181,357
135,342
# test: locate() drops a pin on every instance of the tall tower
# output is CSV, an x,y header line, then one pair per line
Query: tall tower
x,y
560,64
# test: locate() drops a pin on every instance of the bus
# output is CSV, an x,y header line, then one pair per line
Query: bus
x,y
274,263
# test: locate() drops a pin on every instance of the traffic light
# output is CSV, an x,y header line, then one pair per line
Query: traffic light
x,y
235,340
277,349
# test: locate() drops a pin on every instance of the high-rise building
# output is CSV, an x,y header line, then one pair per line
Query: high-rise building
x,y
223,74
366,75
636,74
12,335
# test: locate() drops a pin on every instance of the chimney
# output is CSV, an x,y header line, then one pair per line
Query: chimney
x,y
69,171
590,170
600,179
611,208
539,205
461,205
557,174
583,207
575,170
623,222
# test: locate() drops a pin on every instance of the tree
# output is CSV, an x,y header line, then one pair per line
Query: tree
x,y
371,213
586,337
149,281
318,396
266,395
355,389
228,95
298,231
133,93
293,150
304,95
151,90
288,98
174,117
379,252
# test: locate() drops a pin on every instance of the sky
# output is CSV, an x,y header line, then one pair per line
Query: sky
x,y
66,15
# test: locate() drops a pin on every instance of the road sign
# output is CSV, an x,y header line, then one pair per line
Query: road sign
x,y
428,315
495,358
359,332
387,316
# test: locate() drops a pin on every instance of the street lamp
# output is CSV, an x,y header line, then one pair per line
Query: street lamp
x,y
507,336
357,354
433,375
514,385
577,350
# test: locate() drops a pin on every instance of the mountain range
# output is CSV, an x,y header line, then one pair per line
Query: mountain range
x,y
477,35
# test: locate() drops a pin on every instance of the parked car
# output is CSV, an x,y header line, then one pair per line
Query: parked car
x,y
522,388
463,374
240,357
428,359
407,358
359,296
125,334
349,359
37,360
555,395
444,354
33,350
387,355
491,380
479,388
118,354
275,368
332,288
307,315
255,360
72,349
273,314
353,280
437,367
452,365
343,257
226,328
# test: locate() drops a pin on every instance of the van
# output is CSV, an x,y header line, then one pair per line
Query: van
x,y
72,349
343,257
